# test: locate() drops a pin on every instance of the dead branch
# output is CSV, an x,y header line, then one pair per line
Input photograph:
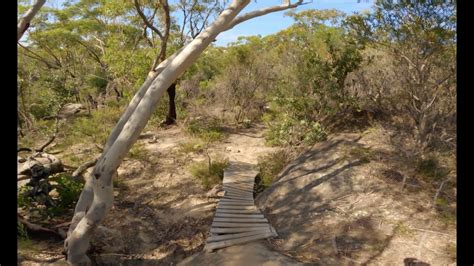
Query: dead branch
x,y
52,138
39,228
83,167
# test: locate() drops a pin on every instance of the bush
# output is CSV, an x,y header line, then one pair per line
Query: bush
x,y
67,194
191,146
139,152
68,190
271,165
289,131
21,231
209,174
430,169
208,129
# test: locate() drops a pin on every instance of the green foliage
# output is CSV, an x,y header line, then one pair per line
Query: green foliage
x,y
430,169
364,154
67,193
96,128
419,39
139,152
209,174
21,231
403,230
68,190
288,131
208,129
271,165
191,146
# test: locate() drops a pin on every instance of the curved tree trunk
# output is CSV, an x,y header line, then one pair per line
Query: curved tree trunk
x,y
25,21
97,195
99,187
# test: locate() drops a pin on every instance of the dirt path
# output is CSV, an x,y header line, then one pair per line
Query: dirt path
x,y
242,147
163,211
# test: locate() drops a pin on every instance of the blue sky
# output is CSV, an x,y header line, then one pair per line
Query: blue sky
x,y
274,22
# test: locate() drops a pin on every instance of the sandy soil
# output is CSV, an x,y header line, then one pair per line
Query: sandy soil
x,y
341,203
329,207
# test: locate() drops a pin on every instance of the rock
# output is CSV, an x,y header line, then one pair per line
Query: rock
x,y
53,193
70,109
153,140
214,191
228,149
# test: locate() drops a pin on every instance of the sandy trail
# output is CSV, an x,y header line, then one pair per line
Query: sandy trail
x,y
243,148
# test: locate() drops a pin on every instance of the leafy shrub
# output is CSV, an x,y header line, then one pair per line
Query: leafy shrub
x,y
271,165
289,131
208,129
139,152
430,169
21,231
67,194
209,174
191,146
68,190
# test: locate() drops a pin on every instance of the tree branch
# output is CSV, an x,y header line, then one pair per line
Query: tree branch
x,y
146,21
25,21
264,11
51,139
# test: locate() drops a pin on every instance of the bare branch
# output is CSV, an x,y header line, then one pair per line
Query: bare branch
x,y
51,139
264,11
146,21
83,167
164,41
25,21
36,56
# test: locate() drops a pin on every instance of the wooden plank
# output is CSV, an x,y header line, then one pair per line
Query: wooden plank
x,y
236,181
228,230
242,240
240,220
236,200
238,190
234,203
235,207
239,185
231,215
238,211
243,196
222,224
235,197
215,238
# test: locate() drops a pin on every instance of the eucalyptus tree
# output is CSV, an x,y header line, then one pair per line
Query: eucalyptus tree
x,y
192,16
97,196
24,22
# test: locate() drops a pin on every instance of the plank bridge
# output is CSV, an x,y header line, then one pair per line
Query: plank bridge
x,y
237,220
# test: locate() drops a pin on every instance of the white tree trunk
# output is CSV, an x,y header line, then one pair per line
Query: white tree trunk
x,y
25,21
97,196
99,187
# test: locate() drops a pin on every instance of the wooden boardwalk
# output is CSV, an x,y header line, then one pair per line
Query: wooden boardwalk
x,y
237,220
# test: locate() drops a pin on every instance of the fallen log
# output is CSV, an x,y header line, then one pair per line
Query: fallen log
x,y
38,228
